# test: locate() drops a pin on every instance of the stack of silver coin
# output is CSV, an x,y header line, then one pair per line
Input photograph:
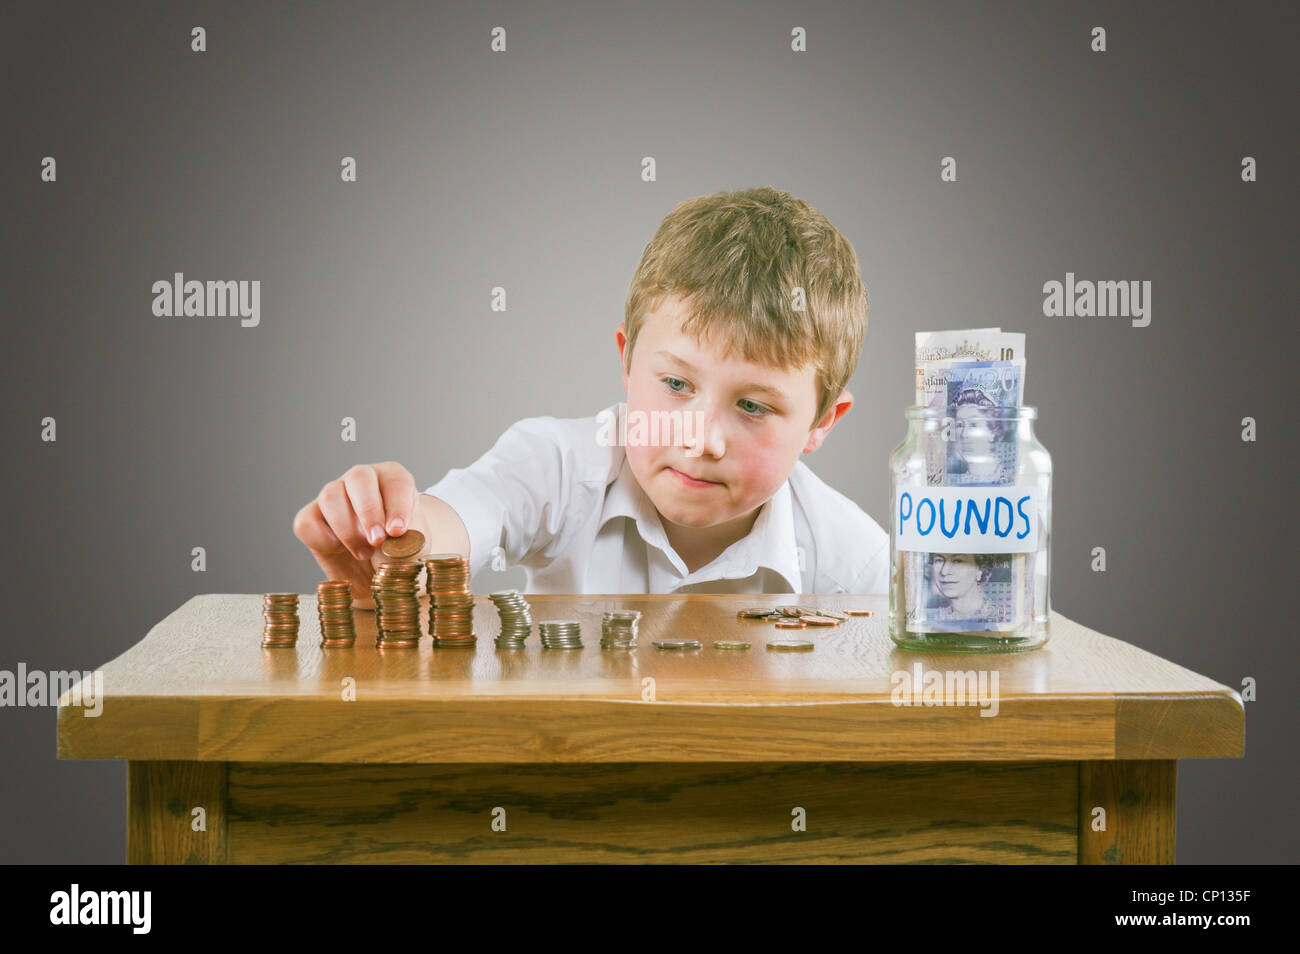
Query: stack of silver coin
x,y
516,619
560,633
618,629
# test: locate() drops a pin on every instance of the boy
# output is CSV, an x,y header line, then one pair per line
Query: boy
x,y
743,323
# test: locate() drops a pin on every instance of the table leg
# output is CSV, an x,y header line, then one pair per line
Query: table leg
x,y
164,823
1138,798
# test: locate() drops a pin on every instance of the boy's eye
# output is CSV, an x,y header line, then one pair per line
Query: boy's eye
x,y
674,384
750,407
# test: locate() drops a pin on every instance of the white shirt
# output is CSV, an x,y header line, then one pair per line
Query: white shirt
x,y
548,496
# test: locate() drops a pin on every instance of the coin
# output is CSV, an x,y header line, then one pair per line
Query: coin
x,y
677,644
819,620
833,614
860,612
797,611
790,645
408,544
730,645
791,624
756,612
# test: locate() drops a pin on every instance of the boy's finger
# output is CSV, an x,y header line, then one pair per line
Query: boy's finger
x,y
310,527
337,511
362,486
398,487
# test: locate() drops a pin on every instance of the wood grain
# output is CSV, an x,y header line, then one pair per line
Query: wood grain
x,y
160,801
200,687
1138,797
654,813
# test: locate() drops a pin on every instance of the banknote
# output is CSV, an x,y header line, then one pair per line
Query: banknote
x,y
937,350
981,444
936,353
966,593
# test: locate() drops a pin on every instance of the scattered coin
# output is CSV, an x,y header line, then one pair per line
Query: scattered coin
x,y
819,620
791,624
730,645
408,544
860,612
796,611
757,612
833,614
677,644
790,645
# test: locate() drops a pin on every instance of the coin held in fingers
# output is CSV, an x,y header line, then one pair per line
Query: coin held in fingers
x,y
408,544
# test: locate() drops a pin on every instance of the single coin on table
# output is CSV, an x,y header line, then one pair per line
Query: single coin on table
x,y
757,612
790,645
860,612
731,645
677,644
791,624
819,620
408,544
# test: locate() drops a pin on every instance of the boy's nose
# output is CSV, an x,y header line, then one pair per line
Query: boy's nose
x,y
705,437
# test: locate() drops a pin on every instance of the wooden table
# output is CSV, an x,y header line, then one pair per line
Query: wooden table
x,y
579,761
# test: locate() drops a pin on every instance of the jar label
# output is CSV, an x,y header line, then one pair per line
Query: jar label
x,y
966,519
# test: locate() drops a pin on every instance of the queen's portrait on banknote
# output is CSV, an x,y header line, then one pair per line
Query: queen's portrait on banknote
x,y
981,453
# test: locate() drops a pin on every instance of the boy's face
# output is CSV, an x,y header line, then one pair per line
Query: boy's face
x,y
741,425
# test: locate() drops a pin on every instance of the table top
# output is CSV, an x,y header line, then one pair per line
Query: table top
x,y
199,686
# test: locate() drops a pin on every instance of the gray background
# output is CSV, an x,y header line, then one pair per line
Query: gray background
x,y
522,169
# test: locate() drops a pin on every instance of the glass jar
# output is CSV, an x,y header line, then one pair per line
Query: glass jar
x,y
970,532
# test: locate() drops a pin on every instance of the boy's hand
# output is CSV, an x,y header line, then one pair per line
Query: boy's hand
x,y
350,517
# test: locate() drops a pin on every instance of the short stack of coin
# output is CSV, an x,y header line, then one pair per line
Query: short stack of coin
x,y
560,633
334,605
516,619
280,611
618,629
451,604
397,606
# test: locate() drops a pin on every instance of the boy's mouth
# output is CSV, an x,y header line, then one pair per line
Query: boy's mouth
x,y
690,481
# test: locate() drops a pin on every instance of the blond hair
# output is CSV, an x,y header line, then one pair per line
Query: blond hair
x,y
735,259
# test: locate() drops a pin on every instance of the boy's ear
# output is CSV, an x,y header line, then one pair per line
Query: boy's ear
x,y
620,336
837,411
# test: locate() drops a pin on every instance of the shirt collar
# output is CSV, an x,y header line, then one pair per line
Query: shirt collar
x,y
771,543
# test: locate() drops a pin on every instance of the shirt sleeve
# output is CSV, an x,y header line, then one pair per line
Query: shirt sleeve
x,y
513,497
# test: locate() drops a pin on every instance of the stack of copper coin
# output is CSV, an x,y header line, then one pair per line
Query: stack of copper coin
x,y
280,610
334,605
451,604
397,605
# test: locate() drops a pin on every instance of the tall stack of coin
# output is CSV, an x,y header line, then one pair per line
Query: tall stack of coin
x,y
516,619
280,611
397,606
451,604
560,633
334,604
618,629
